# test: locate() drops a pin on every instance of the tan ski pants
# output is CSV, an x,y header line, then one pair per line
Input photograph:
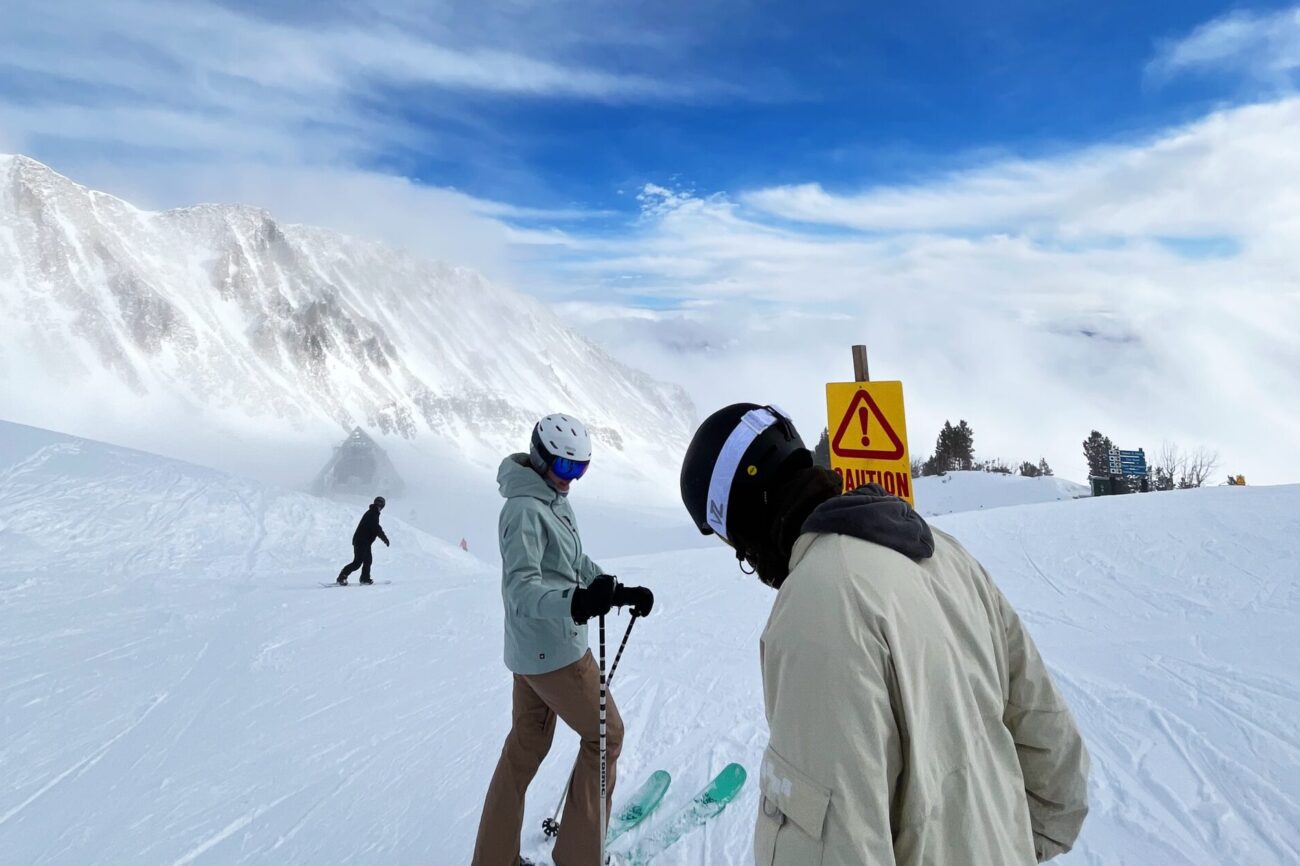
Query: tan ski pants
x,y
573,694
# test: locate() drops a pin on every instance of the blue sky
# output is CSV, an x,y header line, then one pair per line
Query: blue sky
x,y
770,93
840,93
728,95
1095,203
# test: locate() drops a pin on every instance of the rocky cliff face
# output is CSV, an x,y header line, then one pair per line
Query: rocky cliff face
x,y
225,309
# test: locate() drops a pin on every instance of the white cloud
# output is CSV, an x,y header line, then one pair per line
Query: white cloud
x,y
341,88
167,104
431,221
1216,176
1262,45
10,140
160,129
1147,289
220,53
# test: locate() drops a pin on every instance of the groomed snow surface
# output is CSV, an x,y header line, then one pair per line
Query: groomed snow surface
x,y
952,492
176,688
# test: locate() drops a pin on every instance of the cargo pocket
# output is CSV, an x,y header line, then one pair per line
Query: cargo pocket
x,y
792,816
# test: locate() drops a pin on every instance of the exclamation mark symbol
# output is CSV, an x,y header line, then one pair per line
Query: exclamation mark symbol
x,y
863,417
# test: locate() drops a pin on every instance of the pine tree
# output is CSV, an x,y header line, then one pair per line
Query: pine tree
x,y
1030,470
1043,468
822,453
994,465
963,450
941,461
1096,450
954,449
943,449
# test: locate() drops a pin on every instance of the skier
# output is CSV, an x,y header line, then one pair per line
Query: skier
x,y
368,529
550,589
912,720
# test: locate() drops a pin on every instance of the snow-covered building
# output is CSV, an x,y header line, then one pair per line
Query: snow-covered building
x,y
359,466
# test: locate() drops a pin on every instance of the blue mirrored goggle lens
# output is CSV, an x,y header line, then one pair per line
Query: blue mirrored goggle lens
x,y
569,470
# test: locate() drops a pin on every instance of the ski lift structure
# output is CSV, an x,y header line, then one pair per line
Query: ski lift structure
x,y
359,466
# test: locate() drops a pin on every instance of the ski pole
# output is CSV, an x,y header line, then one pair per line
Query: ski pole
x,y
622,646
603,778
551,825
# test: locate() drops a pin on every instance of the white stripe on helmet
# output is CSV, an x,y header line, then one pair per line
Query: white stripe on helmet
x,y
751,426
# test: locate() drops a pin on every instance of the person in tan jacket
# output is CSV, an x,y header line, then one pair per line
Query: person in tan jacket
x,y
912,719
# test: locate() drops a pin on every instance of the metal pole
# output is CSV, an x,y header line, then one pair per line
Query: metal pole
x,y
613,669
551,826
860,371
604,781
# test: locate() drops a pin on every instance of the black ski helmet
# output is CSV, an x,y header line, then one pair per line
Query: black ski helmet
x,y
749,448
380,501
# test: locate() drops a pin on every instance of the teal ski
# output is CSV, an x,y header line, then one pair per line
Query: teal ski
x,y
706,805
644,801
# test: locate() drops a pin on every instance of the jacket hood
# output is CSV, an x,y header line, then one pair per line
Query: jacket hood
x,y
517,478
873,515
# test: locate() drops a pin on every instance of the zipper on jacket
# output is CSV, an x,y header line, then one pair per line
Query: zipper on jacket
x,y
577,541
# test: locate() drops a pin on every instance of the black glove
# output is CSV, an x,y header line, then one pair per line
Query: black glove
x,y
641,599
593,600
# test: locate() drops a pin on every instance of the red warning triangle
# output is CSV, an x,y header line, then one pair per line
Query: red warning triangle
x,y
865,432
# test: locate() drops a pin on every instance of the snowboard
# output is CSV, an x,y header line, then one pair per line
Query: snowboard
x,y
706,805
345,585
643,802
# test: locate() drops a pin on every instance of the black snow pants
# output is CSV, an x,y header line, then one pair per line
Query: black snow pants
x,y
362,558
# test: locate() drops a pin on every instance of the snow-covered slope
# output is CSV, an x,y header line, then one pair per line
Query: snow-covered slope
x,y
76,507
974,491
118,321
176,688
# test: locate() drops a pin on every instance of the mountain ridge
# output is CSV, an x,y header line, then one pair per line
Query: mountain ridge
x,y
223,309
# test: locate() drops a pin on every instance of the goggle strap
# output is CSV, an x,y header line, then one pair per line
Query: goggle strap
x,y
752,425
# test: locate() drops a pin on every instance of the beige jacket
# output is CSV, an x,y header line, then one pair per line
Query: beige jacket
x,y
912,719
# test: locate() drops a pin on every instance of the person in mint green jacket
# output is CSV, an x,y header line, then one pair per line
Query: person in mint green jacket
x,y
550,588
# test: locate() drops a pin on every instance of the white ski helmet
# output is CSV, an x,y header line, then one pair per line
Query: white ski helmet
x,y
557,436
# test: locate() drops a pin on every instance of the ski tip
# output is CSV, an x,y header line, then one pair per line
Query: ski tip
x,y
725,786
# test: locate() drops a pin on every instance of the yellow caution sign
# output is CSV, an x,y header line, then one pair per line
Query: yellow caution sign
x,y
868,433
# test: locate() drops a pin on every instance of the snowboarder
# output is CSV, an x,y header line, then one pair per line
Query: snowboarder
x,y
368,529
911,717
550,589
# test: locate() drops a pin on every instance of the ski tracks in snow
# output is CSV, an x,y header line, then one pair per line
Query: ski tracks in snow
x,y
1173,641
196,708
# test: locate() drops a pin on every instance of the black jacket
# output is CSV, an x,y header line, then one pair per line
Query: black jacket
x,y
369,529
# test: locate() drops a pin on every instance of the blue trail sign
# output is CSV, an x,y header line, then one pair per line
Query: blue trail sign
x,y
1128,462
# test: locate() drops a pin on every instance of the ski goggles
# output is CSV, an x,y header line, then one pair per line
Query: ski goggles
x,y
569,470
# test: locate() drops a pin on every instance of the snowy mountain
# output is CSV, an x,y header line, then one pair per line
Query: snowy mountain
x,y
218,318
178,690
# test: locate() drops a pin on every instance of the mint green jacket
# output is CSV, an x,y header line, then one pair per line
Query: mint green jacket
x,y
542,563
